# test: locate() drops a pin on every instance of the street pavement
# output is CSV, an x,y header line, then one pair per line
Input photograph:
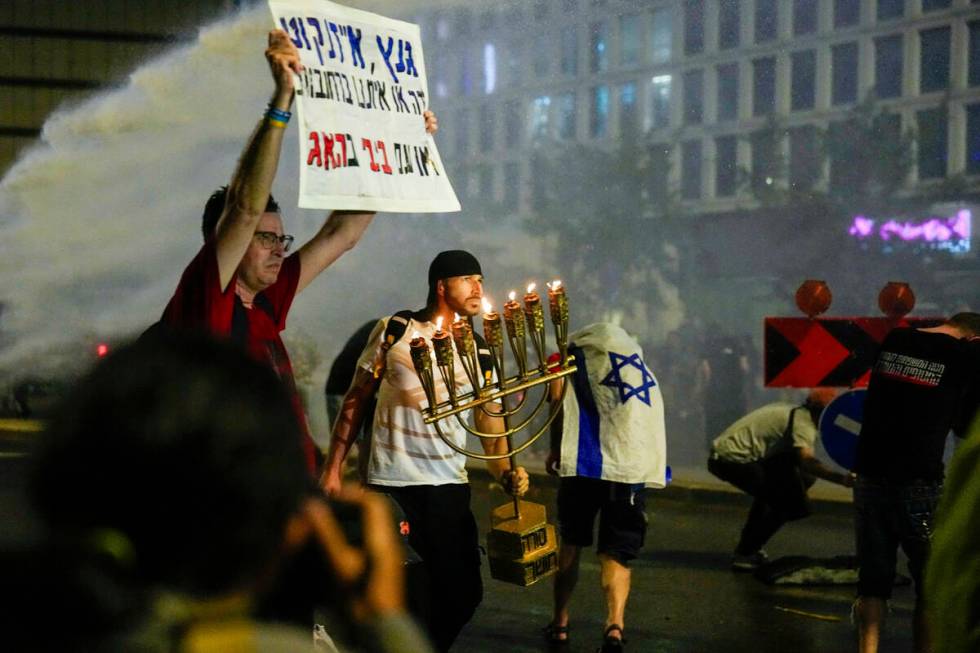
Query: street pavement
x,y
684,597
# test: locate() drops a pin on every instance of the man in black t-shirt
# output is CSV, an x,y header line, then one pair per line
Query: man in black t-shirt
x,y
923,384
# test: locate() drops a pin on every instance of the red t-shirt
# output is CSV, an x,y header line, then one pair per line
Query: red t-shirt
x,y
200,303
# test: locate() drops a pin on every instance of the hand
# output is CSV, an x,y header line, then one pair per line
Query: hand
x,y
848,479
552,462
431,122
515,482
381,560
283,59
330,482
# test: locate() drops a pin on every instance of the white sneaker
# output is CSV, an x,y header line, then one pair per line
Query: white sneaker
x,y
749,562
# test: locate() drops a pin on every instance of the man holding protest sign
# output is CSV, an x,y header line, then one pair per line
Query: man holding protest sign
x,y
241,284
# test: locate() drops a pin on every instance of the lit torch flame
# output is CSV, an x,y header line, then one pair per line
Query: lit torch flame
x,y
455,317
416,335
487,306
439,323
512,295
554,285
530,287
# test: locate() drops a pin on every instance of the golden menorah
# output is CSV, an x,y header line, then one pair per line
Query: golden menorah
x,y
521,544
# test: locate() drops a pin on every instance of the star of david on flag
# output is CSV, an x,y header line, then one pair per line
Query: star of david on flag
x,y
626,390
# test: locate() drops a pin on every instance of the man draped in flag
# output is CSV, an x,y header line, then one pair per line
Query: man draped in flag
x,y
607,446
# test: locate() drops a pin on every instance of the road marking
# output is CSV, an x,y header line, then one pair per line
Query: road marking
x,y
812,615
852,426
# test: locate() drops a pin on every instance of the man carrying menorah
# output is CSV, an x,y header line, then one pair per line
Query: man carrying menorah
x,y
408,459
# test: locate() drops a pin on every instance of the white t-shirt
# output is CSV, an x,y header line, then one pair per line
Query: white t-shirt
x,y
404,449
759,434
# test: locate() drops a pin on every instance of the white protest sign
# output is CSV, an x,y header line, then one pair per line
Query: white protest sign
x,y
359,105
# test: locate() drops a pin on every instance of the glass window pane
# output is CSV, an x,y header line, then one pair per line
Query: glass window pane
x,y
766,20
729,24
541,55
727,92
628,116
567,116
486,128
844,64
974,53
659,172
512,123
569,52
804,158
935,5
763,86
599,48
693,26
512,186
888,9
804,70
804,16
630,40
847,13
931,143
888,66
973,139
661,35
691,170
658,110
538,116
726,166
693,97
934,62
599,112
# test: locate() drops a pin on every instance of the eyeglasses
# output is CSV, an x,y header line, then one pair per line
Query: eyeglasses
x,y
268,240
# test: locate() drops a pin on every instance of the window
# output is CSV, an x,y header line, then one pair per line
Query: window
x,y
658,115
569,52
489,68
804,158
726,166
727,92
486,128
567,116
660,166
844,65
766,158
847,13
599,112
465,73
628,117
763,86
693,26
973,78
630,41
888,9
888,66
661,35
973,139
598,48
538,116
729,24
934,62
804,16
486,182
766,20
804,71
693,97
515,66
691,170
512,123
935,5
932,143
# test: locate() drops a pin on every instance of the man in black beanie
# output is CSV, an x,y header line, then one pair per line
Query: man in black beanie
x,y
409,460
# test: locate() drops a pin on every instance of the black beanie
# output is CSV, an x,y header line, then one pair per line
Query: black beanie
x,y
452,263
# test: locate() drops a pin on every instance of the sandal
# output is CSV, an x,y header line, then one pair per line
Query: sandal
x,y
553,634
612,644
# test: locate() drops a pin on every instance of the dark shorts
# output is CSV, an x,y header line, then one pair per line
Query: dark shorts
x,y
622,515
889,515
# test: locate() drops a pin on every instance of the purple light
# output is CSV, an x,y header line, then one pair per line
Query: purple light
x,y
952,233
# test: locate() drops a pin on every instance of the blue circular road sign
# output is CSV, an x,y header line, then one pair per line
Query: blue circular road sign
x,y
840,424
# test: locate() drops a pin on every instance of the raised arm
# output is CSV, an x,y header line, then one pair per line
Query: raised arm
x,y
341,231
248,191
346,428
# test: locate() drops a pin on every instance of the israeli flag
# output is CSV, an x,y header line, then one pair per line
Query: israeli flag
x,y
613,411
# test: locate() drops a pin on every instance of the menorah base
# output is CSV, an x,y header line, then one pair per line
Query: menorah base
x,y
522,550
